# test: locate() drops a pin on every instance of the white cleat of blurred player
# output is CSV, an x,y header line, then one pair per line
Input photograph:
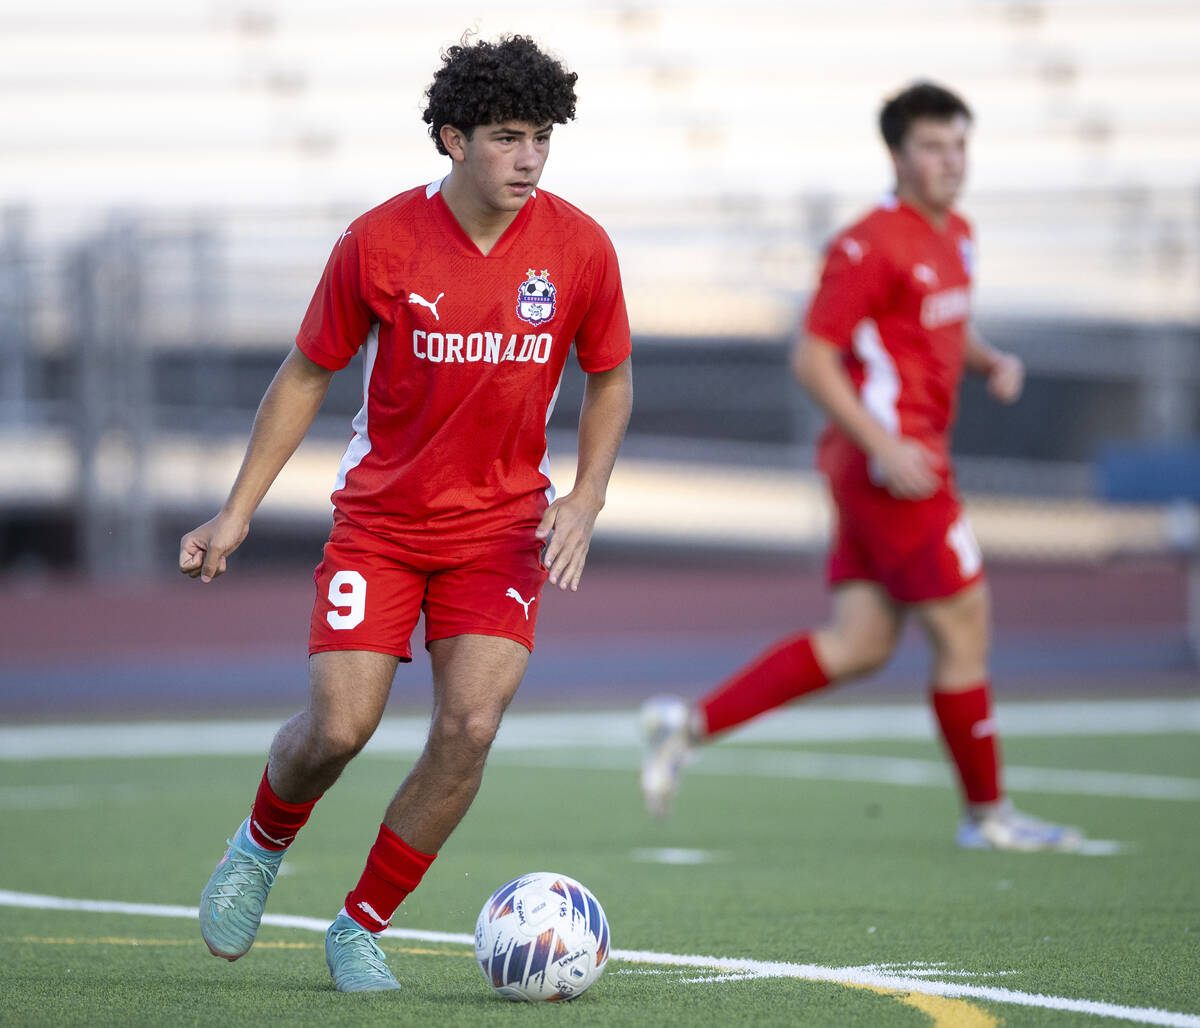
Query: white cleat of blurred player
x,y
1000,827
667,740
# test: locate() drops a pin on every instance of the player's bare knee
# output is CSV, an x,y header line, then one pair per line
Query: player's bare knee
x,y
872,654
335,745
468,734
850,652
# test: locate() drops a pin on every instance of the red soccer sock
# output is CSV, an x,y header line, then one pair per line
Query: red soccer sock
x,y
970,735
787,670
275,822
393,870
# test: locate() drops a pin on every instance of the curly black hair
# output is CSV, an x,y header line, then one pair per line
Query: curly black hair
x,y
485,83
920,100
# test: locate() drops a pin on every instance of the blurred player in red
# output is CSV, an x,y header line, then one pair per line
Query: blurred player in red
x,y
885,344
464,298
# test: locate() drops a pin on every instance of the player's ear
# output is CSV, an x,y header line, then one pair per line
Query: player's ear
x,y
455,142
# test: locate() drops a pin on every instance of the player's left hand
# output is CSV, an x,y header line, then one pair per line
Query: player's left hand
x,y
1006,378
567,524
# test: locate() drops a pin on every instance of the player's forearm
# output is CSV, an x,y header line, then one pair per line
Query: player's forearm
x,y
979,358
603,419
818,367
284,416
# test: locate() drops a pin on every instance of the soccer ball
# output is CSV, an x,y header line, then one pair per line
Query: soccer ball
x,y
542,936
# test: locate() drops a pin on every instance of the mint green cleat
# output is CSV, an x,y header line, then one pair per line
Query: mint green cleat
x,y
231,905
355,959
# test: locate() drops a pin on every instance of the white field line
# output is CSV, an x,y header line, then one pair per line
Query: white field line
x,y
674,855
730,760
813,723
724,761
733,967
67,797
603,741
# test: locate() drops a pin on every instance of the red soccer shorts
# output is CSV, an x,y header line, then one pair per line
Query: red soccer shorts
x,y
917,550
370,594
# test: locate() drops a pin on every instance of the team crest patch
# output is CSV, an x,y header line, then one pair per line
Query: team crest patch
x,y
535,298
966,253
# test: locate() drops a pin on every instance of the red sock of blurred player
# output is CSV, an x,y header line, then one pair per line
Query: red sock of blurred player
x,y
970,736
275,822
787,670
393,870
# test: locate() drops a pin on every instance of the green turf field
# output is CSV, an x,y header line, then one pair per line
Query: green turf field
x,y
803,878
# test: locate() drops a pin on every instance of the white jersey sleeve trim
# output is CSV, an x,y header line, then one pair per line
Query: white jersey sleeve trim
x,y
881,383
544,466
360,444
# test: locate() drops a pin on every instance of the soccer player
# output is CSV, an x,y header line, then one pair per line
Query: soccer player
x,y
464,297
886,341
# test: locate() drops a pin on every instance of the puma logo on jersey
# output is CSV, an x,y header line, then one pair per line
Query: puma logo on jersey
x,y
371,912
853,249
521,600
419,299
343,236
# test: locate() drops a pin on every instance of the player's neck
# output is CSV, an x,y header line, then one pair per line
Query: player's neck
x,y
937,216
482,223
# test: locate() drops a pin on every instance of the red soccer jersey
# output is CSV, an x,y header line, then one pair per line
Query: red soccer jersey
x,y
462,359
895,296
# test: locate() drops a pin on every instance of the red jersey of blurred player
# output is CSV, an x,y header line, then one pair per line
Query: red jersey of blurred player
x,y
887,339
895,297
894,301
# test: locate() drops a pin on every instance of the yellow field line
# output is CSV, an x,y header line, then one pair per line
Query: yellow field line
x,y
942,1011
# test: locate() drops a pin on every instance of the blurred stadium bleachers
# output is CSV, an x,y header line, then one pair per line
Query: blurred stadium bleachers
x,y
174,175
